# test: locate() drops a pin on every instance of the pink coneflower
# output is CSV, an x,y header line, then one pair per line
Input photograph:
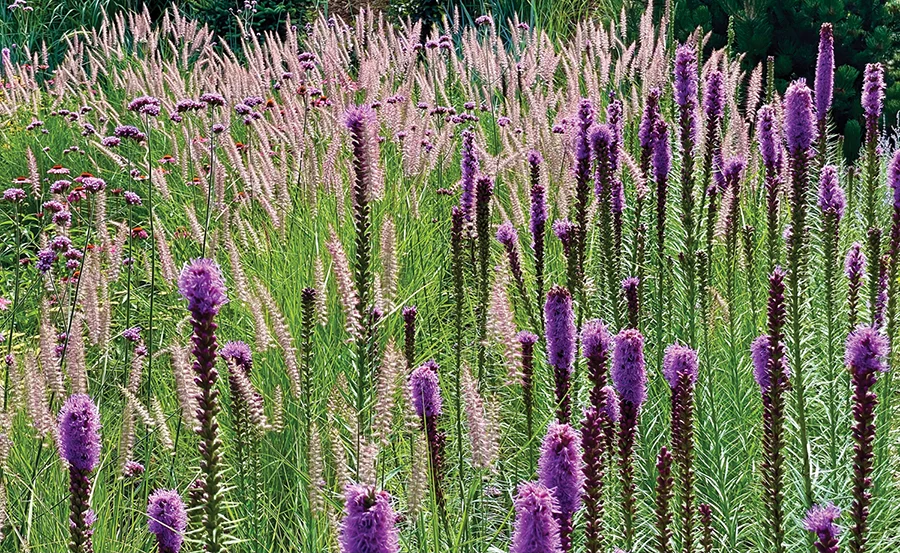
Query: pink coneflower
x,y
57,170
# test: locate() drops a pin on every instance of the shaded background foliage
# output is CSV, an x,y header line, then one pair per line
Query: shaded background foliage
x,y
787,30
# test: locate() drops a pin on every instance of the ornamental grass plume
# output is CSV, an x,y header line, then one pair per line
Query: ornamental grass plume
x,y
536,529
538,222
369,525
559,470
820,520
664,492
680,368
865,356
167,519
831,202
855,271
79,447
201,284
772,376
629,375
800,133
559,321
425,392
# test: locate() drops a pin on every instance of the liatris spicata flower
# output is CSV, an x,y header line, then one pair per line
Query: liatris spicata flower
x,y
773,385
579,213
680,371
714,109
559,321
240,360
769,138
664,485
865,358
706,539
538,221
831,202
605,150
409,314
469,171
820,521
592,440
559,469
824,74
167,519
855,270
369,524
484,190
509,238
527,340
79,447
201,284
631,287
646,132
596,344
629,376
425,392
872,98
536,529
800,132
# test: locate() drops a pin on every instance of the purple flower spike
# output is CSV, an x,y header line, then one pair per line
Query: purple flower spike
x,y
759,355
560,324
536,529
79,433
469,167
685,84
201,283
167,518
507,235
820,520
799,123
596,341
629,373
370,523
855,262
426,390
239,353
649,119
894,179
825,71
560,466
714,95
559,469
873,91
768,134
831,195
679,360
866,351
610,404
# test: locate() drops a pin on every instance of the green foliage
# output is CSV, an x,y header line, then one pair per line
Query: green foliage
x,y
226,18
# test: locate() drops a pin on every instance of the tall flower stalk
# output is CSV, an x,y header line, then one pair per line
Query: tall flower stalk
x,y
560,471
800,132
872,100
484,190
538,223
457,228
865,357
360,122
685,88
629,375
369,524
79,447
820,521
559,321
527,340
855,271
831,202
664,485
771,374
770,151
536,529
201,284
580,209
680,368
597,350
425,391
661,163
824,87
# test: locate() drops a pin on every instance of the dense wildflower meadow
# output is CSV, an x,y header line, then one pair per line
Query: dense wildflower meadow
x,y
367,288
